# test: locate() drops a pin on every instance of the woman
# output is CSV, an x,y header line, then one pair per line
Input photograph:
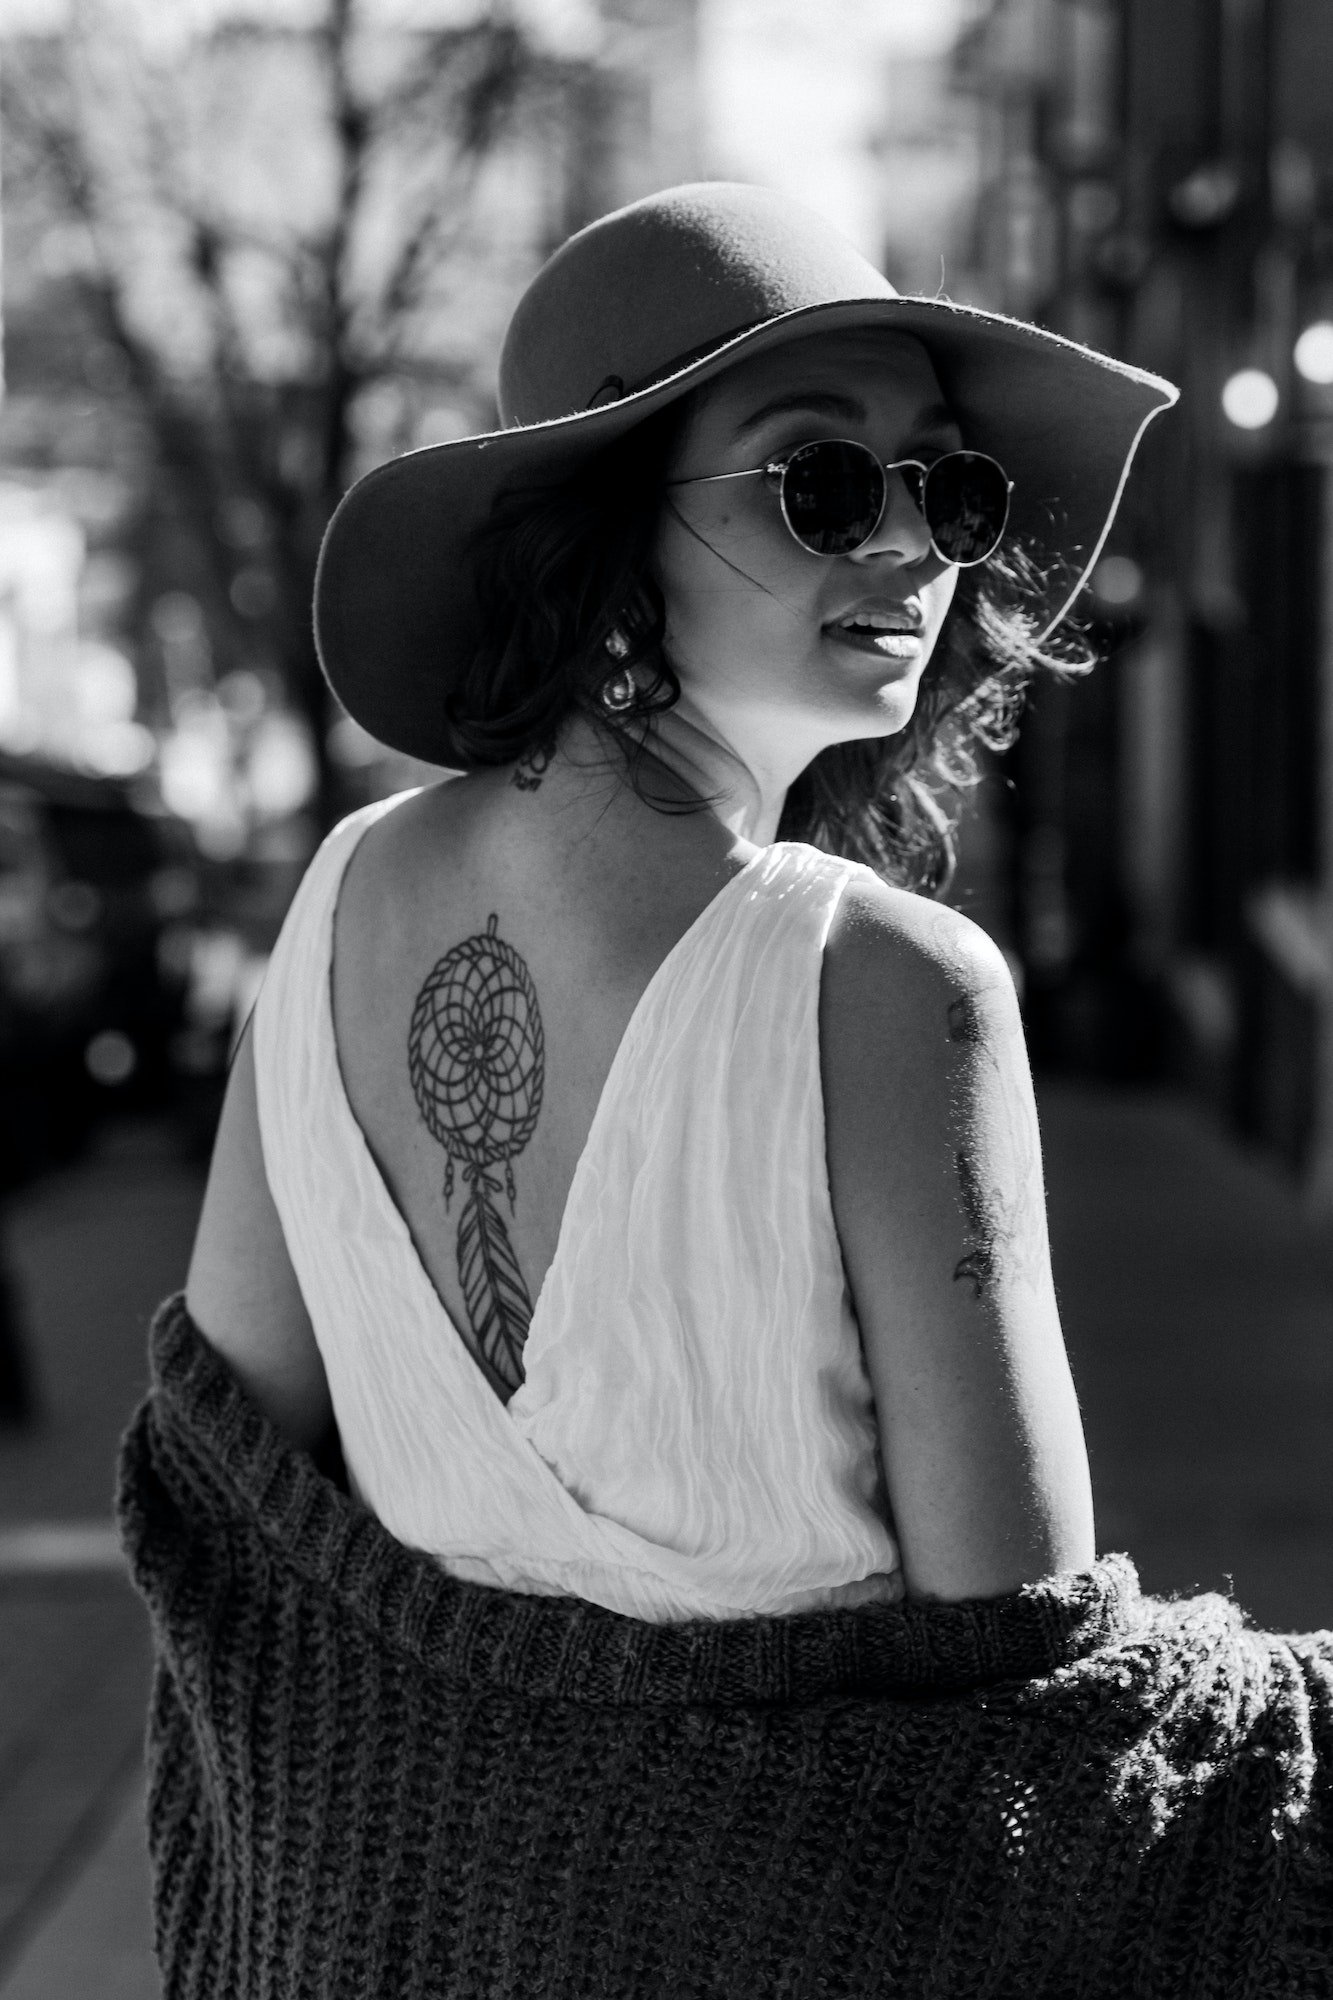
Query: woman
x,y
645,1193
734,660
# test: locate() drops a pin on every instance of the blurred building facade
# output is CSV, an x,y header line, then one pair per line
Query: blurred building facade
x,y
1158,181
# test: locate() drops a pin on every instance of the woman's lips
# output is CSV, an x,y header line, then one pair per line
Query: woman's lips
x,y
880,645
886,628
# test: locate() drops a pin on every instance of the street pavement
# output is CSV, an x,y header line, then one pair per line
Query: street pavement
x,y
92,1249
1197,1300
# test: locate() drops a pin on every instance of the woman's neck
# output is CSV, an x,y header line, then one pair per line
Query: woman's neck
x,y
746,790
688,755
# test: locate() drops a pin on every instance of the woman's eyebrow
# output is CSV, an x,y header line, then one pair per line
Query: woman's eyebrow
x,y
935,419
824,403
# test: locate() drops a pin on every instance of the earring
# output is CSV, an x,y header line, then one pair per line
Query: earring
x,y
620,694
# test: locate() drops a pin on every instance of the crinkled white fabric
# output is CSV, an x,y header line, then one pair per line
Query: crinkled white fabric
x,y
695,1436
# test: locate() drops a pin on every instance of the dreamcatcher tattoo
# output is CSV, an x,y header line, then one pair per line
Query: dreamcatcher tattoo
x,y
476,1055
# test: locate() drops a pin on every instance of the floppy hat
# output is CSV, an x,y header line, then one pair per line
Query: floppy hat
x,y
635,311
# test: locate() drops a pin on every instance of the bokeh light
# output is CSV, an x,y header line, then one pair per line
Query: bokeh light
x,y
1250,399
117,749
1117,582
1313,353
281,766
111,1058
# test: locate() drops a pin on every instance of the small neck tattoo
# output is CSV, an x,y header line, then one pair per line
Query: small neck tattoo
x,y
532,766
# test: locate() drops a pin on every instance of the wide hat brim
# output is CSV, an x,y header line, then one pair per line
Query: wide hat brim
x,y
396,620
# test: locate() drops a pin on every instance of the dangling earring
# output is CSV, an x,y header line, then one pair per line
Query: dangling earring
x,y
621,693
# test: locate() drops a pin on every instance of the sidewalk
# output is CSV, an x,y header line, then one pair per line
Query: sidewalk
x,y
93,1250
1197,1303
1198,1307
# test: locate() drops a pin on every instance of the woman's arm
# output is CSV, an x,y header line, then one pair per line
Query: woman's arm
x,y
242,1291
935,1171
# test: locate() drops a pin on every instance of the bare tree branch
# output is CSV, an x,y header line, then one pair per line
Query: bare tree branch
x,y
229,420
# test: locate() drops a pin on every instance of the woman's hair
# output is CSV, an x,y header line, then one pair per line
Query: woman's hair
x,y
559,568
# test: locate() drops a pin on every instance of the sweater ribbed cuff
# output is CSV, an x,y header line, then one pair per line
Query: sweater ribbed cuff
x,y
198,1424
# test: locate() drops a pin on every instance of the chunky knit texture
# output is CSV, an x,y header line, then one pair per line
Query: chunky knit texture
x,y
369,1779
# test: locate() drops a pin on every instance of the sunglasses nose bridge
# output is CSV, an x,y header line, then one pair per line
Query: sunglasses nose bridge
x,y
913,477
901,529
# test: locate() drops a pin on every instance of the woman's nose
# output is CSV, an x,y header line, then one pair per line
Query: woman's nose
x,y
902,530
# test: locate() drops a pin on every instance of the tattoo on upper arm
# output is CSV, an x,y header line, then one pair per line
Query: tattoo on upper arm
x,y
476,1054
964,1019
978,1267
1005,1223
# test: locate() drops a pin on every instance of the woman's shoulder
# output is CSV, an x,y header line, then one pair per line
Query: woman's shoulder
x,y
917,1013
356,831
385,825
899,961
385,851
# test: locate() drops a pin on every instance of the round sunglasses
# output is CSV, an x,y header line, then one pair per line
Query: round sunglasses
x,y
833,494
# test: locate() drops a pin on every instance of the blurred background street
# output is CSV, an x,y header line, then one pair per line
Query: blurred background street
x,y
253,248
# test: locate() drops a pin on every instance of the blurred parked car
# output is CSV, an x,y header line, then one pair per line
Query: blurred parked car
x,y
96,891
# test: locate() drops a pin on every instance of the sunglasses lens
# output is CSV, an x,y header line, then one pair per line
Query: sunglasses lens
x,y
966,505
833,496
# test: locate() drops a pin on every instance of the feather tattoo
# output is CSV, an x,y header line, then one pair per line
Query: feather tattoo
x,y
476,1054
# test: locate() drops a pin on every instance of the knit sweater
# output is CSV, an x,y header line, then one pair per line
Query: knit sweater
x,y
369,1779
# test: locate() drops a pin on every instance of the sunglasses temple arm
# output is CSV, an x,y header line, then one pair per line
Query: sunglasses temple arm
x,y
713,478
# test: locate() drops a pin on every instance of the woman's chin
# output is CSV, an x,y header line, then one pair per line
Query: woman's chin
x,y
888,708
881,686
868,724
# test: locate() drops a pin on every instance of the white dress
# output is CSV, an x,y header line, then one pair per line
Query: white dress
x,y
695,1436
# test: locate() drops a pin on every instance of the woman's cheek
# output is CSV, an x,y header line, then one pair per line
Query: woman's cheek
x,y
942,596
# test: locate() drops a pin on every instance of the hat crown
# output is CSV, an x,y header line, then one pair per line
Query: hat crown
x,y
652,286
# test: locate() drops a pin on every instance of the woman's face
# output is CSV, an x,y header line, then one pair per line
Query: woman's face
x,y
780,651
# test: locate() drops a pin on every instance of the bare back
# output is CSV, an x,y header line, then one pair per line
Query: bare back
x,y
536,919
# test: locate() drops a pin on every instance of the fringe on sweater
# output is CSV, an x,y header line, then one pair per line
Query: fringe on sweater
x,y
369,1781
